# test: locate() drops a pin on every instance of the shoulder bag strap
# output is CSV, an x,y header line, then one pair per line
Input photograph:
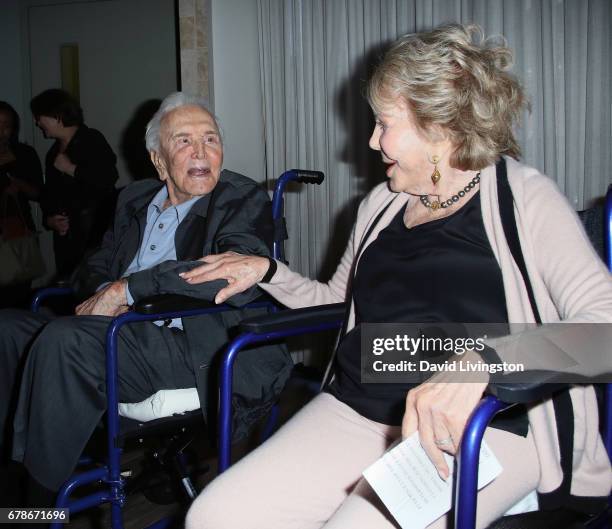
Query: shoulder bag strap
x,y
506,211
349,290
562,402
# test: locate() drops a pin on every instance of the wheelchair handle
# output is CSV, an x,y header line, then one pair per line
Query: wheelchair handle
x,y
309,177
303,176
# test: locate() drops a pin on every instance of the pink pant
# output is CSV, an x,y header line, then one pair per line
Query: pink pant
x,y
308,475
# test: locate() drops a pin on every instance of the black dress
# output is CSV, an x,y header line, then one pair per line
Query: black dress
x,y
86,197
442,271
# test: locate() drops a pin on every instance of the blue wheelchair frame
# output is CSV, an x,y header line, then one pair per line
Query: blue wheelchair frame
x,y
325,317
160,307
466,493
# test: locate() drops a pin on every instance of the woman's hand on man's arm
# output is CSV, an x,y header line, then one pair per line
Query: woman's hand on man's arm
x,y
240,271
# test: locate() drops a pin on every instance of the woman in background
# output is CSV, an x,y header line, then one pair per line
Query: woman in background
x,y
80,176
20,182
429,246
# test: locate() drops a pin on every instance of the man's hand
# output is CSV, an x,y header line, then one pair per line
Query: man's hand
x,y
62,163
439,409
240,271
58,223
109,301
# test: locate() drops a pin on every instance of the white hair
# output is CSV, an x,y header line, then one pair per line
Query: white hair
x,y
172,102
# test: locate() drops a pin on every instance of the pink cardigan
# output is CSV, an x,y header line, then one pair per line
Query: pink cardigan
x,y
570,284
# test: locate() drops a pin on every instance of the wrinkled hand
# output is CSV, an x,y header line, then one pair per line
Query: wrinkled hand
x,y
439,409
240,271
59,223
62,163
109,301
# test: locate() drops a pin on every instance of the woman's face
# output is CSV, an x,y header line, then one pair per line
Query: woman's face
x,y
6,128
51,127
404,149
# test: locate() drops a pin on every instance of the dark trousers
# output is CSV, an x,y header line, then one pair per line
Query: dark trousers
x,y
62,395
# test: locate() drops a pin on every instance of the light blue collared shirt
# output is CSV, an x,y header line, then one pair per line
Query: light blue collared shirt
x,y
158,241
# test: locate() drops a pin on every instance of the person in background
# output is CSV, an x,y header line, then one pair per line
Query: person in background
x,y
20,182
80,176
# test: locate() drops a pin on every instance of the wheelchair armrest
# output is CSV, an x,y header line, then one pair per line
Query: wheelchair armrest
x,y
541,385
162,303
61,288
288,319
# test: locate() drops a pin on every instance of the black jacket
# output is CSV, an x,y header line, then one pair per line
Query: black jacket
x,y
236,216
84,197
26,167
95,174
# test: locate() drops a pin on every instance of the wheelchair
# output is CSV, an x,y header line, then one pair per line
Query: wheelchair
x,y
500,397
184,419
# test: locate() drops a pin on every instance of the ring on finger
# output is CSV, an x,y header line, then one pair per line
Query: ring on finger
x,y
444,442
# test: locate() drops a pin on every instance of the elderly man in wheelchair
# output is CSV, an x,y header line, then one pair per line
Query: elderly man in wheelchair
x,y
160,228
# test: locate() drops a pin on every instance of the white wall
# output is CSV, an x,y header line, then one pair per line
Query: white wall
x,y
235,58
127,55
236,84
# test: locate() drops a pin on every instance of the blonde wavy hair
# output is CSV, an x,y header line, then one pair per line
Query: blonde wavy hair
x,y
455,79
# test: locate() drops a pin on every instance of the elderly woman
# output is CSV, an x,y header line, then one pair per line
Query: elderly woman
x,y
428,246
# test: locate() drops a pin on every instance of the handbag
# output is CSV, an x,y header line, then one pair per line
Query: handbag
x,y
20,256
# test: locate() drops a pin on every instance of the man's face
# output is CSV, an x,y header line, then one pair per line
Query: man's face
x,y
190,153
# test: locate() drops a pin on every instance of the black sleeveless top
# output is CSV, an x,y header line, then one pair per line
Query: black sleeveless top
x,y
440,271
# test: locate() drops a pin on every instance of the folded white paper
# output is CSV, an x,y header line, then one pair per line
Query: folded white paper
x,y
409,485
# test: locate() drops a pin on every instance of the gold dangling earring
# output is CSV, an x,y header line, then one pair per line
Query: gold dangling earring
x,y
435,176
